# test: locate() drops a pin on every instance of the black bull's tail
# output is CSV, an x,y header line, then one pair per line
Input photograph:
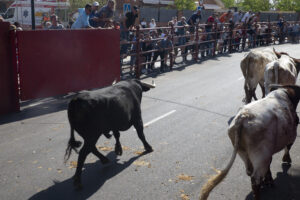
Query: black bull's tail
x,y
72,144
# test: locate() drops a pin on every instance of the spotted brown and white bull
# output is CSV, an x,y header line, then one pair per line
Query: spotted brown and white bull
x,y
259,130
253,67
114,108
283,71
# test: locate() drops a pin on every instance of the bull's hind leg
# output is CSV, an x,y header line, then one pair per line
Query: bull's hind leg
x,y
255,189
268,179
102,158
140,131
84,151
118,147
286,157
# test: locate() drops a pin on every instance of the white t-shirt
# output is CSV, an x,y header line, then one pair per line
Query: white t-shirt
x,y
152,25
246,17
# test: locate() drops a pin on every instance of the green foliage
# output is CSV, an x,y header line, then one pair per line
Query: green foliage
x,y
75,4
287,5
229,3
185,4
255,5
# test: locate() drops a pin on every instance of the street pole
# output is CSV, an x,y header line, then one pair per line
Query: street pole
x,y
158,11
32,15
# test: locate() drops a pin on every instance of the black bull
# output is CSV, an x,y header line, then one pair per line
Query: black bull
x,y
114,108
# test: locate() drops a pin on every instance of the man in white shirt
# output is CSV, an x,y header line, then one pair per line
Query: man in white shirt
x,y
246,16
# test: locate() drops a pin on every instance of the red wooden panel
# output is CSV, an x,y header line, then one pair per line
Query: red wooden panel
x,y
9,101
59,61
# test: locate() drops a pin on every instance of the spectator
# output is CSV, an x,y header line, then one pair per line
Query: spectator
x,y
18,26
95,7
255,18
237,16
182,37
225,16
144,23
295,33
148,45
194,20
128,22
152,24
116,25
55,24
246,16
1,18
46,25
83,19
210,21
163,49
105,14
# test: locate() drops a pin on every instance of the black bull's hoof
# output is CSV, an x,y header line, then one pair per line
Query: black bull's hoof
x,y
118,150
148,149
77,183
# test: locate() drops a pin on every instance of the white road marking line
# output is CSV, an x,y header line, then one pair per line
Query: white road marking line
x,y
159,118
240,78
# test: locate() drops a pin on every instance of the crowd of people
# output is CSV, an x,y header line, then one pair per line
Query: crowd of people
x,y
202,38
219,33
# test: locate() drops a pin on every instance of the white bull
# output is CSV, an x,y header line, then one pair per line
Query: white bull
x,y
253,67
283,71
259,130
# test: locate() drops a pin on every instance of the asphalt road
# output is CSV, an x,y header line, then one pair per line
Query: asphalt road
x,y
186,119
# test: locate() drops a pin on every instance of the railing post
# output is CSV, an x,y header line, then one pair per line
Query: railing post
x,y
255,35
269,36
171,53
137,62
230,37
215,38
196,43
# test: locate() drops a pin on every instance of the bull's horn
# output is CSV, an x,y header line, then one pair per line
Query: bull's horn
x,y
115,81
148,84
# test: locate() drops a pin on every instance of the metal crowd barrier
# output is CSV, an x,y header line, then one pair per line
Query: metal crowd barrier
x,y
198,47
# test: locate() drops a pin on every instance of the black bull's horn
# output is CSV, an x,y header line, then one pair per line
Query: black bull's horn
x,y
148,84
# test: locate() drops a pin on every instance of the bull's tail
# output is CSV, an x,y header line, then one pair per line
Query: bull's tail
x,y
72,144
269,73
216,179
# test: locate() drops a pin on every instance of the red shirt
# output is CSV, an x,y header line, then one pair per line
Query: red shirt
x,y
210,19
223,17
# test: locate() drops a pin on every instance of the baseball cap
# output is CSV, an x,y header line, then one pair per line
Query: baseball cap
x,y
95,3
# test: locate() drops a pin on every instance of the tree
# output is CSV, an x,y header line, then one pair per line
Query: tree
x,y
287,5
229,3
185,4
256,5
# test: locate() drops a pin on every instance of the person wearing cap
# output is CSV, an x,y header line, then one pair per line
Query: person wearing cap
x,y
105,14
128,22
194,20
95,7
83,19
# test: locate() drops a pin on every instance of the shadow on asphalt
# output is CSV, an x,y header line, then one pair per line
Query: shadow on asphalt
x,y
35,108
93,176
287,184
